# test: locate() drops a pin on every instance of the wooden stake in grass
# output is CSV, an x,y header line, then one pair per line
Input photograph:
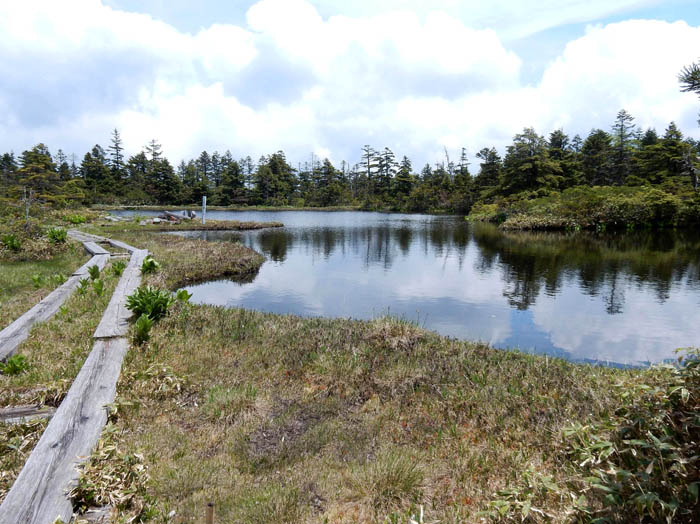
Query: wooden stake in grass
x,y
210,513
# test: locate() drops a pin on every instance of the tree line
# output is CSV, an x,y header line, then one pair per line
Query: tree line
x,y
533,165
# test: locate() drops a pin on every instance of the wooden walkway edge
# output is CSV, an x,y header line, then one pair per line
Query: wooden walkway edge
x,y
39,495
18,331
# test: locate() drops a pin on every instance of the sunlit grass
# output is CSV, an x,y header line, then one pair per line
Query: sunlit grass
x,y
185,261
313,419
54,353
18,292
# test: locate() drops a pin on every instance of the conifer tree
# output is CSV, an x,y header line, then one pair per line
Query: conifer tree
x,y
597,157
623,137
527,164
96,174
116,162
490,170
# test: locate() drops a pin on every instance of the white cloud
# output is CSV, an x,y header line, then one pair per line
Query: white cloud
x,y
511,19
296,81
584,328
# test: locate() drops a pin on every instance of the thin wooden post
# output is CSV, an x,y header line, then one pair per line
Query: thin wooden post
x,y
210,513
204,209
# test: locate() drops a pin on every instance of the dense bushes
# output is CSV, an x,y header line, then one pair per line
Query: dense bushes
x,y
584,207
643,463
149,301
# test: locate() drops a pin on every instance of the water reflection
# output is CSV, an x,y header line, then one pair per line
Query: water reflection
x,y
625,298
601,265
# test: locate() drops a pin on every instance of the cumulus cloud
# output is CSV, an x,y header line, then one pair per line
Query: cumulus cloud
x,y
583,328
292,79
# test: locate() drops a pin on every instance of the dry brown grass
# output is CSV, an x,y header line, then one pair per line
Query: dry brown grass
x,y
185,225
18,292
55,352
286,419
185,261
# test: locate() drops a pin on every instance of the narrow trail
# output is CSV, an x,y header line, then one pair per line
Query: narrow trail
x,y
40,492
17,332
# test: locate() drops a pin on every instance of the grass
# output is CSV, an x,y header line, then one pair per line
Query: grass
x,y
185,261
597,208
54,352
41,254
18,292
229,208
185,225
287,419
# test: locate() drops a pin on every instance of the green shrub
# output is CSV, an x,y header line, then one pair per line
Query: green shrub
x,y
12,242
98,286
38,280
76,219
643,463
83,285
583,207
15,365
57,235
58,278
149,301
142,329
149,265
118,267
182,295
94,272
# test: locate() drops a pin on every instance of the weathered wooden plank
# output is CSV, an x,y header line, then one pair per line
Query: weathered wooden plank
x,y
98,260
17,332
114,322
87,237
121,245
94,249
20,414
101,515
39,494
81,236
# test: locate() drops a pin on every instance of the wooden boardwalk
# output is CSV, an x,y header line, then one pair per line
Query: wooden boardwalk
x,y
39,494
17,332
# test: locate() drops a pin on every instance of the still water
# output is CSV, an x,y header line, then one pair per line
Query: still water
x,y
618,298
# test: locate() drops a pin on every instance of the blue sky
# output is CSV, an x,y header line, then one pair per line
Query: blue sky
x,y
328,76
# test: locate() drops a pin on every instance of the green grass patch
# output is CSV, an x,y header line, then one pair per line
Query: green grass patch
x,y
24,283
53,354
597,208
184,261
348,421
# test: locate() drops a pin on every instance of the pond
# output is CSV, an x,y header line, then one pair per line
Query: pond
x,y
623,299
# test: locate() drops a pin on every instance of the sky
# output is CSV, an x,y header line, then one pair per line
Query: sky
x,y
329,76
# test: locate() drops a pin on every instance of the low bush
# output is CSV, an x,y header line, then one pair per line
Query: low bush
x,y
149,265
149,301
142,329
118,267
12,242
76,219
94,272
182,295
58,278
586,207
643,464
83,285
38,280
98,287
15,365
57,235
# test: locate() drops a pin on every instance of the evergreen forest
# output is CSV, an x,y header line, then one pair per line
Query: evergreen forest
x,y
624,161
